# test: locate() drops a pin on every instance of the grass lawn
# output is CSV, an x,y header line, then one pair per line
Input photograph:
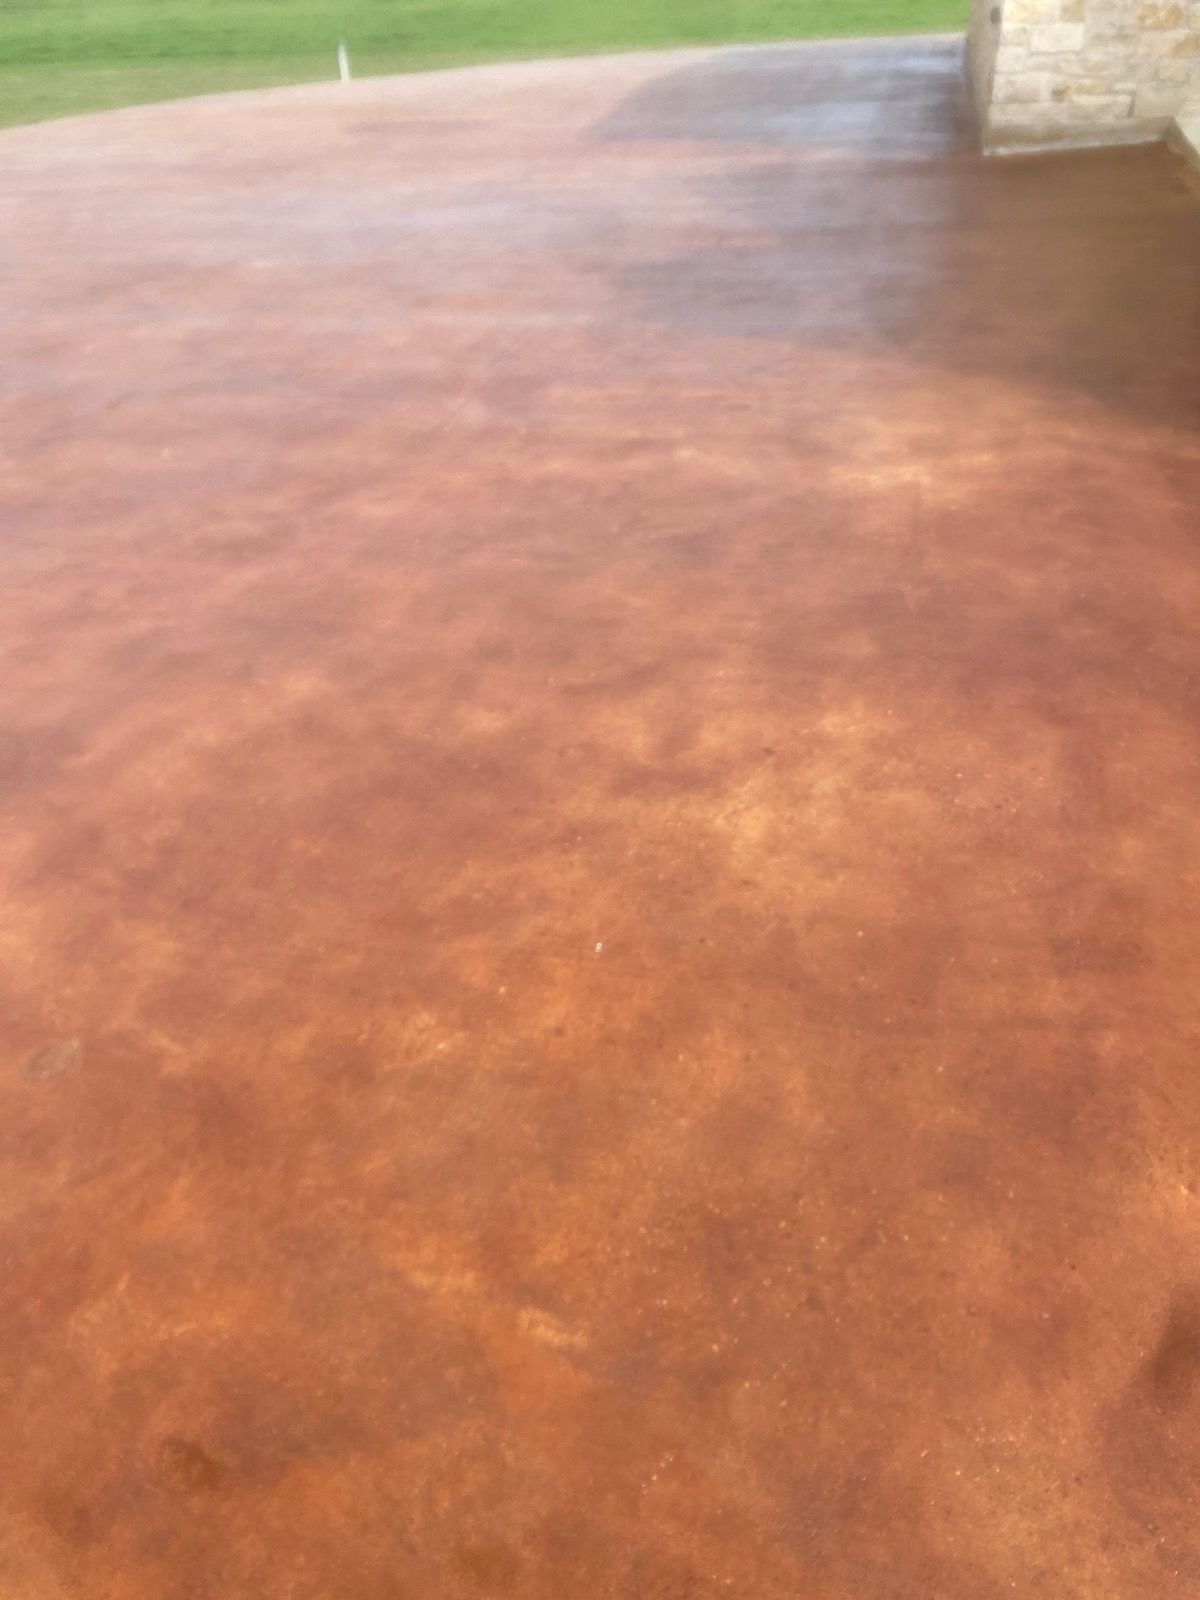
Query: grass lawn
x,y
60,56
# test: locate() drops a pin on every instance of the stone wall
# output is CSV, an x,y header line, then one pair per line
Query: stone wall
x,y
1082,71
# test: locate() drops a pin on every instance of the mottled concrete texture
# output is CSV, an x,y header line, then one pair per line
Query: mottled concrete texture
x,y
599,869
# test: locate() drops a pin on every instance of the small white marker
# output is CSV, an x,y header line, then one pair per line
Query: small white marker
x,y
343,61
599,947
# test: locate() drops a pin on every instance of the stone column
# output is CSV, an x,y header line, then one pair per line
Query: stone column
x,y
1048,72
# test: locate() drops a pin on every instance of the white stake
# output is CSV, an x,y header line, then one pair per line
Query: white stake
x,y
343,62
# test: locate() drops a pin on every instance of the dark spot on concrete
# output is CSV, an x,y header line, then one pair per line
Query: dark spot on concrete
x,y
55,1060
186,1465
1175,1364
70,1520
659,1577
490,1566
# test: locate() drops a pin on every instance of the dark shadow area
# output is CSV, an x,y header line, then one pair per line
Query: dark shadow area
x,y
1150,1441
880,229
881,96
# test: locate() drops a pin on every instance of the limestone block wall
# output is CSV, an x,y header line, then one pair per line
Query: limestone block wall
x,y
1082,71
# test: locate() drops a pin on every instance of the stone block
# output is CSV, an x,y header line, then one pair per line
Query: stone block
x,y
1160,14
1013,116
1011,58
1023,88
1107,63
1103,107
1058,36
1081,88
1159,43
1043,115
1155,102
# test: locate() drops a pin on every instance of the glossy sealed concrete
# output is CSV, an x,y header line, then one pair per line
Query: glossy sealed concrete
x,y
599,756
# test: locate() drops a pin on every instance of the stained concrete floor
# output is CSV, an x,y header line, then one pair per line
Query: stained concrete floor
x,y
599,757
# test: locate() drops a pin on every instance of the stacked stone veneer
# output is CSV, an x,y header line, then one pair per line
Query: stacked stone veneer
x,y
1082,71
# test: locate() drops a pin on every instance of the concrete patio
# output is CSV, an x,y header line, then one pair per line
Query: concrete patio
x,y
599,755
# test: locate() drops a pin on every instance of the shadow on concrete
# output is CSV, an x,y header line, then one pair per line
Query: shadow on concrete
x,y
878,228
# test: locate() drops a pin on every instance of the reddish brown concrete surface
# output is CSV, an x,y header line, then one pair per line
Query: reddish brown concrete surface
x,y
599,762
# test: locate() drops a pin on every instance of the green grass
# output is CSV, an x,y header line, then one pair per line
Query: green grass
x,y
62,56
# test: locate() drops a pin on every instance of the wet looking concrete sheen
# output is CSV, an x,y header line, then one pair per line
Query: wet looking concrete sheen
x,y
598,752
